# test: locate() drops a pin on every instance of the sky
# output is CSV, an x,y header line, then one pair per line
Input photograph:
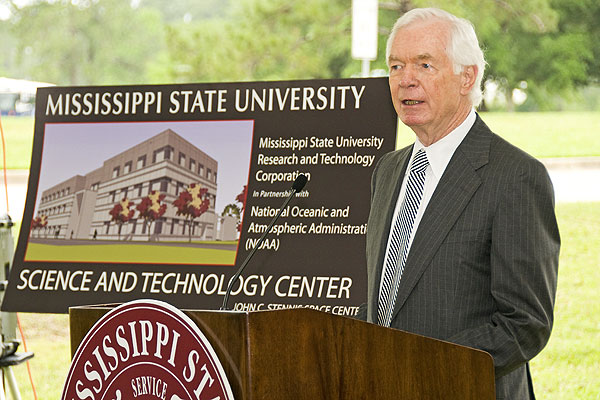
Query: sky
x,y
79,148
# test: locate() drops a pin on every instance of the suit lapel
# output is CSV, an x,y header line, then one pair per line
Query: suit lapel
x,y
455,189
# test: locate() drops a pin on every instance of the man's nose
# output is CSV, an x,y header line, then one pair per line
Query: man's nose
x,y
408,77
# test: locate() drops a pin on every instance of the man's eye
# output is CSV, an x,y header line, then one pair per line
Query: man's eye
x,y
426,65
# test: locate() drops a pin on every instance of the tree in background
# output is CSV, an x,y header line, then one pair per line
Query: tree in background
x,y
192,203
188,11
121,213
541,47
264,40
544,47
151,209
527,49
538,46
8,46
92,42
570,54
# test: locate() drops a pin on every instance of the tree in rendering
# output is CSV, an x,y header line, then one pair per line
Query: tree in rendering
x,y
192,203
236,209
151,209
39,223
121,213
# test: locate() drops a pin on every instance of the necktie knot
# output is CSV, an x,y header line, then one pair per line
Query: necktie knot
x,y
420,162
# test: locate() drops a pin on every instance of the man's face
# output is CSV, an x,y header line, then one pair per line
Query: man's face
x,y
426,93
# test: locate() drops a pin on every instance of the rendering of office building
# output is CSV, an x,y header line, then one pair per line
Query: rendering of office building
x,y
79,207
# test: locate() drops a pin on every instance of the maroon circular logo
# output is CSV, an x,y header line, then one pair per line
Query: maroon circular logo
x,y
145,349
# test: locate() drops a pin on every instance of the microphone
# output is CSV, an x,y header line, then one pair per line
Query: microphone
x,y
297,186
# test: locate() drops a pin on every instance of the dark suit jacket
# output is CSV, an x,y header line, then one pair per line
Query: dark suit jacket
x,y
483,265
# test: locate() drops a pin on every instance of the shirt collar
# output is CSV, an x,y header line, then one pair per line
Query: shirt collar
x,y
440,152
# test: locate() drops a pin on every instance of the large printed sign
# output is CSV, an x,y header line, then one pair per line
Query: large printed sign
x,y
161,192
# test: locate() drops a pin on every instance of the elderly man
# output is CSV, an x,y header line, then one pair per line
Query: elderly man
x,y
462,241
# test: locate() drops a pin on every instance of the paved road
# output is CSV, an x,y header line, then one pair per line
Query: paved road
x,y
17,191
574,180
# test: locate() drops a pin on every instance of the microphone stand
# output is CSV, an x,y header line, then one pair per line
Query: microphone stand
x,y
260,241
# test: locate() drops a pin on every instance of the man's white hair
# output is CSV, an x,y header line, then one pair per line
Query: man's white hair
x,y
463,49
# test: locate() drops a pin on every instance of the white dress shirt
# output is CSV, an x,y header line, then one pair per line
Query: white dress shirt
x,y
438,155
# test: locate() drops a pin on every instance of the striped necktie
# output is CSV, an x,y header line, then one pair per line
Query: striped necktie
x,y
401,232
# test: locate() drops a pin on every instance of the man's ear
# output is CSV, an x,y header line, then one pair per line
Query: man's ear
x,y
468,77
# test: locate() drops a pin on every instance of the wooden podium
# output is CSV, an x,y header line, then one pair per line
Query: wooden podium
x,y
307,354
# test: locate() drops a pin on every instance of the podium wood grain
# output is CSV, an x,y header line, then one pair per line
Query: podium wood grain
x,y
307,354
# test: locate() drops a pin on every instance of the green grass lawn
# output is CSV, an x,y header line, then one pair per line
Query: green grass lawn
x,y
543,135
18,134
47,335
559,134
567,369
